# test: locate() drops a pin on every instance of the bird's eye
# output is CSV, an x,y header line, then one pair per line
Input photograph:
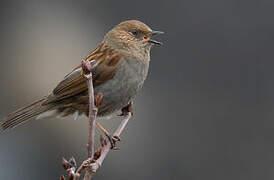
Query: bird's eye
x,y
134,32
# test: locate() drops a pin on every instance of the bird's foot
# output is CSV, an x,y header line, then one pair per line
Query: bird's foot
x,y
127,109
113,141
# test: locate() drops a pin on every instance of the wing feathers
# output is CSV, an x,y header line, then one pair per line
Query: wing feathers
x,y
106,62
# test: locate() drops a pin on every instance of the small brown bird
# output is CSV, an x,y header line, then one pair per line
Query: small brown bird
x,y
120,64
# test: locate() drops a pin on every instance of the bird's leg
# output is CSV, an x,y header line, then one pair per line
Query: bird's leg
x,y
112,139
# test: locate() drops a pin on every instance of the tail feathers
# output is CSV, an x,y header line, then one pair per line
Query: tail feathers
x,y
24,114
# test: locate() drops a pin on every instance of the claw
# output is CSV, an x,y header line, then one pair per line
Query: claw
x,y
117,138
127,109
113,141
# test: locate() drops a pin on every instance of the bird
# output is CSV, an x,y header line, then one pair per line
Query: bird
x,y
120,66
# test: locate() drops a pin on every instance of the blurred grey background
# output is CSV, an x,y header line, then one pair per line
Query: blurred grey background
x,y
207,107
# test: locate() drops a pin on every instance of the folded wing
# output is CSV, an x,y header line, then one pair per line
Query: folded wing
x,y
105,62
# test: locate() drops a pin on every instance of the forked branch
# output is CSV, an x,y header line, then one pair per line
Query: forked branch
x,y
95,159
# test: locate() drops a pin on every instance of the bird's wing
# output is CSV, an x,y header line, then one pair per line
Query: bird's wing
x,y
105,61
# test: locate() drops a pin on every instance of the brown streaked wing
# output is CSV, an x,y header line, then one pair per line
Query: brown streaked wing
x,y
106,61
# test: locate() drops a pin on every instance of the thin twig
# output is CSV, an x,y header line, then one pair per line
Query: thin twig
x,y
93,165
70,166
92,108
86,66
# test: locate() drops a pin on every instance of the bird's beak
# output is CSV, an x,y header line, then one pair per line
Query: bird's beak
x,y
154,33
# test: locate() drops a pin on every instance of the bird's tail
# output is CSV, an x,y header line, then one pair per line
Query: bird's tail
x,y
24,114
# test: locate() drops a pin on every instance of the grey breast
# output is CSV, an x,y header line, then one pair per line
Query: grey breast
x,y
123,87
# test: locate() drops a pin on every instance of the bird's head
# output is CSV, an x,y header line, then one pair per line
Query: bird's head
x,y
132,36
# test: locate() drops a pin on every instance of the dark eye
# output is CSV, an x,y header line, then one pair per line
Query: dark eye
x,y
134,32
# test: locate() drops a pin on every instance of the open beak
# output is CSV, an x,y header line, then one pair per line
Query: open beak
x,y
154,33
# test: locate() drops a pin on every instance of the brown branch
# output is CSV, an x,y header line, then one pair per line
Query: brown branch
x,y
95,159
86,66
70,166
93,165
